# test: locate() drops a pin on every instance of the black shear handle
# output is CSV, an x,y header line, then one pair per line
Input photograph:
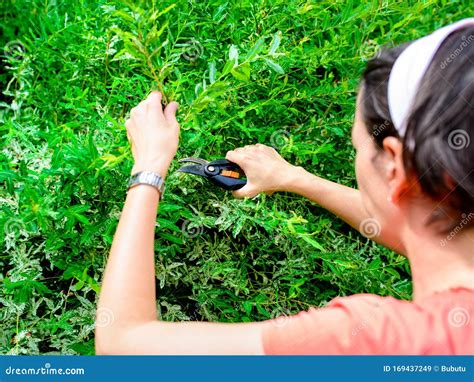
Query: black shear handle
x,y
226,182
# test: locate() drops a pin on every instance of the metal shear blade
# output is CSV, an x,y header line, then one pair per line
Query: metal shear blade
x,y
194,160
196,169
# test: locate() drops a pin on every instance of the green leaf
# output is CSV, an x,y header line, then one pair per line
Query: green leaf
x,y
234,54
165,223
275,43
256,49
168,207
173,238
242,72
212,72
82,219
228,66
248,305
124,16
312,242
155,34
274,66
166,10
262,311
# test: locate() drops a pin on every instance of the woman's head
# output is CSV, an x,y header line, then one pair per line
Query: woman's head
x,y
432,163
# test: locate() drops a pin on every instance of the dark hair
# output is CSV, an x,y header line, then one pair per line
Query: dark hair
x,y
439,140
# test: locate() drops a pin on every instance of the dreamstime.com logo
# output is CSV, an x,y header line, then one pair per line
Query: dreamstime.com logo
x,y
458,139
15,50
13,226
280,317
374,316
370,228
279,138
104,317
459,317
465,220
192,50
380,128
466,40
44,370
191,229
368,50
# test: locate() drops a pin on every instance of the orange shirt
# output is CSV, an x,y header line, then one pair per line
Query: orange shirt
x,y
442,323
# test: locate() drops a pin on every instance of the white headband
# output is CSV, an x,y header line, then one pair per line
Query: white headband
x,y
409,68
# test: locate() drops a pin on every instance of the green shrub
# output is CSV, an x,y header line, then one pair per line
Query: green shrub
x,y
282,73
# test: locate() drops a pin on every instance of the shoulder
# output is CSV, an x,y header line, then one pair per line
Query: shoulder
x,y
347,325
368,324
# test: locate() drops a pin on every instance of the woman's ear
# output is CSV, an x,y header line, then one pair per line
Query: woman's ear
x,y
395,173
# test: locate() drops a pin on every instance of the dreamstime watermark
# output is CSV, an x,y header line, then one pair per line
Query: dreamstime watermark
x,y
370,228
459,139
104,317
280,317
374,315
464,222
279,138
368,50
466,40
192,50
459,317
14,50
44,370
13,226
107,135
191,229
360,327
378,129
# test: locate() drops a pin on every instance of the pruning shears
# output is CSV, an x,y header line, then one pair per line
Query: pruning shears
x,y
221,172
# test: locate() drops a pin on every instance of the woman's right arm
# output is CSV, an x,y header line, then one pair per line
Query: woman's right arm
x,y
268,172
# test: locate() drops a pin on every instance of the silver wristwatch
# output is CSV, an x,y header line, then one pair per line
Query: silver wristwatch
x,y
148,177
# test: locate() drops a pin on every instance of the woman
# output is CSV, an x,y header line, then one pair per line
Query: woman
x,y
413,133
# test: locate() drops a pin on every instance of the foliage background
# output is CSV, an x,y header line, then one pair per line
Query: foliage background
x,y
283,73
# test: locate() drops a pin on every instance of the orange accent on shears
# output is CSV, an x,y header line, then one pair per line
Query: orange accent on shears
x,y
230,174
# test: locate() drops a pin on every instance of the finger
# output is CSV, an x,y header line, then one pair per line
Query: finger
x,y
132,144
170,113
153,102
246,191
237,156
154,97
128,126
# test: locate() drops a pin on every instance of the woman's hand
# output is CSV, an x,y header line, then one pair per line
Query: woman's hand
x,y
153,134
265,169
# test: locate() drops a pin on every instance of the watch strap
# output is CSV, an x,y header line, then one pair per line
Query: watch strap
x,y
147,177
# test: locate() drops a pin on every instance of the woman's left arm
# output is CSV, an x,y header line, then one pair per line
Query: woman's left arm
x,y
126,316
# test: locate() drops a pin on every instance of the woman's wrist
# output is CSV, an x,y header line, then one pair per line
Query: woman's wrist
x,y
161,168
294,179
